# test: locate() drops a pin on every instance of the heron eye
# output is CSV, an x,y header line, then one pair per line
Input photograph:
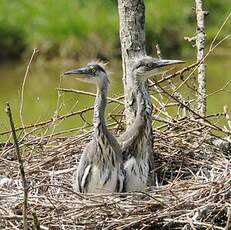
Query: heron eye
x,y
93,70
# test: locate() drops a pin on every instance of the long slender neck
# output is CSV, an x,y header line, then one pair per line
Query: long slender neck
x,y
144,107
100,105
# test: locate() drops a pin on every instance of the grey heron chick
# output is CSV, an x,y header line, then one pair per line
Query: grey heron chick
x,y
100,169
135,142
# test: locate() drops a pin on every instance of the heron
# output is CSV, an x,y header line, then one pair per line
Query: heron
x,y
135,142
100,169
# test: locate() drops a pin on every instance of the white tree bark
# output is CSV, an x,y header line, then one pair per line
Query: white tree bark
x,y
132,37
200,43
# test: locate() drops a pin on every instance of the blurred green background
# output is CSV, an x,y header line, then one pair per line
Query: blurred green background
x,y
69,33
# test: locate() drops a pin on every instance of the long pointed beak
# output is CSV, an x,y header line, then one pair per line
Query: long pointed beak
x,y
166,62
83,70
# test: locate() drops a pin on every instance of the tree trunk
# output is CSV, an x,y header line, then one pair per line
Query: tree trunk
x,y
200,43
132,38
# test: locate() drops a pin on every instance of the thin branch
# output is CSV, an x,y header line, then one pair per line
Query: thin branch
x,y
196,64
179,72
227,116
158,51
21,167
23,86
201,224
200,44
222,89
36,221
116,100
228,223
207,122
218,32
47,122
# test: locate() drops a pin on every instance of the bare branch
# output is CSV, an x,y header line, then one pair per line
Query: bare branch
x,y
116,100
23,86
21,167
200,44
158,51
227,116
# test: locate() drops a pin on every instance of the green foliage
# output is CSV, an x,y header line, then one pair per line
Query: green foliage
x,y
12,42
51,25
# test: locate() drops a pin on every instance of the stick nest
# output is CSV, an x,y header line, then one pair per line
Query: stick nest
x,y
193,185
192,188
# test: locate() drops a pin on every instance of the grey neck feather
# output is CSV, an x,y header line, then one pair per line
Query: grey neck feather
x,y
143,115
144,107
100,105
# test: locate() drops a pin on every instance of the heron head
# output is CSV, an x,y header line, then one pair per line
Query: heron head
x,y
92,73
147,67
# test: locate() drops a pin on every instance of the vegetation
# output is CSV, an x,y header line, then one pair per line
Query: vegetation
x,y
63,28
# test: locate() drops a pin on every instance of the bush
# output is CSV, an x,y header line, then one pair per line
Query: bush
x,y
12,42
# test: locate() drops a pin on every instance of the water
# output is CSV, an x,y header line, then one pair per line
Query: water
x,y
41,99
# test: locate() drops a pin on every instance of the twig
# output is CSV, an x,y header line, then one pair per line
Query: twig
x,y
44,123
227,116
179,72
47,122
202,224
194,113
228,223
21,168
191,223
158,51
222,89
36,221
116,100
212,48
23,86
218,32
200,44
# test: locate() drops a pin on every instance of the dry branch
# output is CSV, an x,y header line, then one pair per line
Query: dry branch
x,y
47,122
23,86
179,72
21,167
192,178
116,100
200,44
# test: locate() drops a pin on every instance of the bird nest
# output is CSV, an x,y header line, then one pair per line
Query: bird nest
x,y
192,184
192,172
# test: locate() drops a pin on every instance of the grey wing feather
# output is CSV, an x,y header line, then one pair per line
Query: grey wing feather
x,y
84,164
114,143
128,138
